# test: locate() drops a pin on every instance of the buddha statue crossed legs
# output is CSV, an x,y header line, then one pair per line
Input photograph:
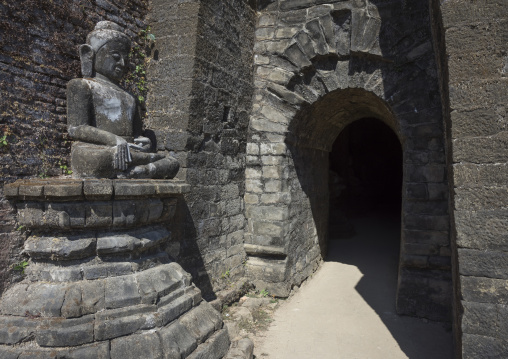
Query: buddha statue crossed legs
x,y
104,118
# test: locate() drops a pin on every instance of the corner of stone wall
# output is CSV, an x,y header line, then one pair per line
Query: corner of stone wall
x,y
199,102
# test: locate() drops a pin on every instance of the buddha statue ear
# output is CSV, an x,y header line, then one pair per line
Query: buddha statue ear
x,y
86,54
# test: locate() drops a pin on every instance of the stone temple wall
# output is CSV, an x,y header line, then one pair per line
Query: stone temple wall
x,y
199,103
321,65
474,70
38,56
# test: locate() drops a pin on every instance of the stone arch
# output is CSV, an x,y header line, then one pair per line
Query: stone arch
x,y
312,78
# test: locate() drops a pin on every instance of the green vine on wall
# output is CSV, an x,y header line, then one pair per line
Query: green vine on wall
x,y
140,57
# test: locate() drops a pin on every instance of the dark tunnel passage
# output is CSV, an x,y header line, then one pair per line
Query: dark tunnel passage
x,y
365,182
366,169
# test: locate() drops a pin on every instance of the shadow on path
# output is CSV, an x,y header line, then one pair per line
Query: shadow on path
x,y
374,250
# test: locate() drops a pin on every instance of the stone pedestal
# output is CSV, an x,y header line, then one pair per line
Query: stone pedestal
x,y
98,283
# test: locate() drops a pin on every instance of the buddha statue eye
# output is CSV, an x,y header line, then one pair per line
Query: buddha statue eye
x,y
116,56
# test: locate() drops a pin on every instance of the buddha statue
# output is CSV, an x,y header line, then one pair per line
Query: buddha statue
x,y
104,119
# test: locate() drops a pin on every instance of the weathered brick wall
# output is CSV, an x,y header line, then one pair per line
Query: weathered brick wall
x,y
199,103
475,75
38,56
321,64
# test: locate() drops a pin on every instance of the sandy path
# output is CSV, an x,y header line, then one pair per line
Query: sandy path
x,y
347,310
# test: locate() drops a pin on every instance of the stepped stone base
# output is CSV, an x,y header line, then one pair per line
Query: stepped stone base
x,y
98,283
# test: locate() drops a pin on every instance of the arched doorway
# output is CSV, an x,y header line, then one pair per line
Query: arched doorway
x,y
287,195
365,186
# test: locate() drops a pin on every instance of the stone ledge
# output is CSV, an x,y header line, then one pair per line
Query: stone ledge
x,y
92,189
270,251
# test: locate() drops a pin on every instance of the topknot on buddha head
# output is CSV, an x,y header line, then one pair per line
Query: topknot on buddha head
x,y
104,32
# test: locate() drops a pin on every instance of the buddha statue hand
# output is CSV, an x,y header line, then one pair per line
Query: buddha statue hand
x,y
122,156
142,144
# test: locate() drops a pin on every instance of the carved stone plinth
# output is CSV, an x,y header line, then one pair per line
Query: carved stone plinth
x,y
98,283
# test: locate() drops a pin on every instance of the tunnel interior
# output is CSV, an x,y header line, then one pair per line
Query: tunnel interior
x,y
366,170
365,180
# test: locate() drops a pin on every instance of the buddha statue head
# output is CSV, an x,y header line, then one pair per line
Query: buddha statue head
x,y
106,52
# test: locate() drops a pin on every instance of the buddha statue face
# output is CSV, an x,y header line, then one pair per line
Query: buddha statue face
x,y
111,60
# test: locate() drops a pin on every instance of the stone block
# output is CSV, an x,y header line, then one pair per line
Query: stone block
x,y
481,150
486,121
125,213
425,207
119,243
63,333
424,293
251,198
265,228
115,323
481,263
264,240
11,190
64,190
241,349
305,43
252,173
98,214
426,222
96,351
484,290
92,296
195,294
177,339
253,186
31,190
314,29
266,20
98,189
175,309
16,329
473,175
64,215
297,57
252,149
264,33
8,352
263,125
121,292
60,248
296,4
483,347
30,214
268,213
426,237
157,282
288,96
37,299
273,186
215,347
107,244
71,307
437,191
38,354
125,189
424,174
200,322
273,149
274,115
480,318
146,346
482,198
274,74
416,191
482,229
